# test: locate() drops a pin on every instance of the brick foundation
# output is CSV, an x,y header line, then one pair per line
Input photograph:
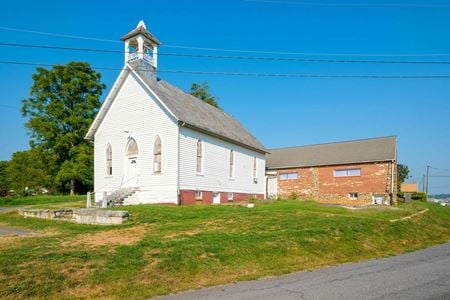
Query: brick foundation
x,y
319,183
187,197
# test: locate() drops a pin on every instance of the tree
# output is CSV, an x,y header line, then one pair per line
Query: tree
x,y
402,174
201,91
63,103
29,170
4,182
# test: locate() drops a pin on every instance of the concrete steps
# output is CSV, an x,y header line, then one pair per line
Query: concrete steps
x,y
118,197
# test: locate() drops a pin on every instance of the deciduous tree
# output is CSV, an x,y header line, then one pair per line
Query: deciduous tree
x,y
201,91
63,103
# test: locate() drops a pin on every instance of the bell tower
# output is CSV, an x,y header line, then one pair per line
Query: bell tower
x,y
141,50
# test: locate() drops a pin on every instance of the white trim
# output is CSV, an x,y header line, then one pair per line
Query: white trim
x,y
113,93
152,92
106,105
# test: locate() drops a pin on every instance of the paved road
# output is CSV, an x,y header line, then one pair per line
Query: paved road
x,y
13,231
4,230
424,274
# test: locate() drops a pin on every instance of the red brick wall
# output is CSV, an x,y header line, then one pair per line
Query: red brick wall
x,y
188,197
373,179
319,183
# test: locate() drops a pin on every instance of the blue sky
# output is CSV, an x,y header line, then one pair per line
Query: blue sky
x,y
279,111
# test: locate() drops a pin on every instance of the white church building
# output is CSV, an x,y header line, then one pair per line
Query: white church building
x,y
154,143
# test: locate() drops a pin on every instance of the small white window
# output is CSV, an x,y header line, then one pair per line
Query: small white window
x,y
198,195
255,168
108,160
287,176
199,157
157,155
353,196
347,172
231,166
230,196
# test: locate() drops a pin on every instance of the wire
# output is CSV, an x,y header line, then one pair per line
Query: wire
x,y
231,50
232,57
58,34
419,5
10,107
293,75
439,169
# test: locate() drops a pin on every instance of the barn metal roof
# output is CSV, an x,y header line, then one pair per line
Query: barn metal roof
x,y
349,152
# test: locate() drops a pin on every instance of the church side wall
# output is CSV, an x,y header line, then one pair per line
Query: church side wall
x,y
135,114
215,170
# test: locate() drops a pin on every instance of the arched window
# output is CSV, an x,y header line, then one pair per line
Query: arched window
x,y
108,160
231,167
132,148
255,168
157,155
199,156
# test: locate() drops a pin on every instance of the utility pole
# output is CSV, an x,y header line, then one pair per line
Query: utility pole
x,y
423,183
428,173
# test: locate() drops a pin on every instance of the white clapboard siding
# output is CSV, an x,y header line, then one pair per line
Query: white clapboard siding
x,y
134,113
216,164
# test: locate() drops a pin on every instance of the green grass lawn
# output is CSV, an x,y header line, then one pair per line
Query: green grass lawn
x,y
166,249
45,201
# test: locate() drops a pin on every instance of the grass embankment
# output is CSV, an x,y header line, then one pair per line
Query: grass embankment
x,y
167,249
44,201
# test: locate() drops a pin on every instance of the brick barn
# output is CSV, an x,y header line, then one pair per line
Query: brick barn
x,y
356,172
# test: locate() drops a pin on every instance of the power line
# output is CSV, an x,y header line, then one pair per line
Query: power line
x,y
440,169
58,34
286,75
232,50
305,3
231,57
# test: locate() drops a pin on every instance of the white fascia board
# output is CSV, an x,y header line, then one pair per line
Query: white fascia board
x,y
106,104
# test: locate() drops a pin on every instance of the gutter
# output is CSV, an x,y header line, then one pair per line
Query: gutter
x,y
226,139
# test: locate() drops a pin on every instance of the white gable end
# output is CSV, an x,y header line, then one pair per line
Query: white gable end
x,y
135,113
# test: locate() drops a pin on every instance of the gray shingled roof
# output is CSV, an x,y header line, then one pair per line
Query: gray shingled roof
x,y
368,150
200,115
141,30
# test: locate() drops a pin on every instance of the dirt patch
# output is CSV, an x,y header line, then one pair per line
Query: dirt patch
x,y
173,235
127,236
15,240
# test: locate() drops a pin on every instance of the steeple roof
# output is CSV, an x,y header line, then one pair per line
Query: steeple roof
x,y
141,29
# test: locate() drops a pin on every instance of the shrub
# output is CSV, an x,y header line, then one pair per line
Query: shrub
x,y
419,197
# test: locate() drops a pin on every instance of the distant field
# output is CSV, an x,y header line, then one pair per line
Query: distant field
x,y
166,249
44,201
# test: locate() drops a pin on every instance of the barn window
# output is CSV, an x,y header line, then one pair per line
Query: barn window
x,y
157,155
286,176
198,195
255,168
199,157
353,196
347,172
108,160
230,196
132,148
231,165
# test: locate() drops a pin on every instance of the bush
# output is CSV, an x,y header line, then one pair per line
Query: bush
x,y
419,197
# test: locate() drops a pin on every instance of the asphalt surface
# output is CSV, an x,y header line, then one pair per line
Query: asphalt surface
x,y
5,230
13,231
424,274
